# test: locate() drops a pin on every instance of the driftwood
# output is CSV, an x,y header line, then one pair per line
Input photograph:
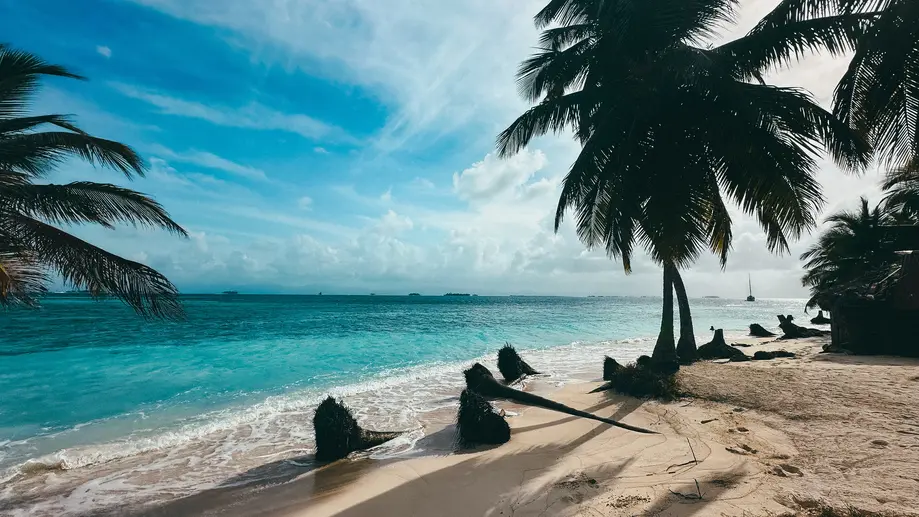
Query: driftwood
x,y
763,355
511,366
717,348
610,367
477,422
479,380
337,432
757,330
792,331
820,319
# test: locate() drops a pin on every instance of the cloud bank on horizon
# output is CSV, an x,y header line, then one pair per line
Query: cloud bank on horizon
x,y
348,146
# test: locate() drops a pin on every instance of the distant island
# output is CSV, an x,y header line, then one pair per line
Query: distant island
x,y
230,292
414,294
457,294
711,297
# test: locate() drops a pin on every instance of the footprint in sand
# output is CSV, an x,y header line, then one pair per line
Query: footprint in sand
x,y
784,470
743,450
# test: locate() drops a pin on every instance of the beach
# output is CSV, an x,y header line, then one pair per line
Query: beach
x,y
778,437
109,420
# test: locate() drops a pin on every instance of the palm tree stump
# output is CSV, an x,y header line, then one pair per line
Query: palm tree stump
x,y
610,367
757,330
338,434
792,331
717,348
478,423
511,366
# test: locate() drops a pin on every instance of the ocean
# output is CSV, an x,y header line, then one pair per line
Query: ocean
x,y
101,409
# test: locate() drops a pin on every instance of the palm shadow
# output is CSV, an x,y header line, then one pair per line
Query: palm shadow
x,y
483,486
866,360
272,495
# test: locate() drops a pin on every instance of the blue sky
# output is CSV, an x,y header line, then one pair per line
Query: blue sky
x,y
346,146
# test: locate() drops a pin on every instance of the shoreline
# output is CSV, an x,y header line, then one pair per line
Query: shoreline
x,y
754,460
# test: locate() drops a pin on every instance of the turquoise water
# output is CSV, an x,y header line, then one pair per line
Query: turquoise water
x,y
86,383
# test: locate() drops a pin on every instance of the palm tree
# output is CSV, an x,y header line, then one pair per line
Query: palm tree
x,y
878,95
851,250
671,131
32,246
902,186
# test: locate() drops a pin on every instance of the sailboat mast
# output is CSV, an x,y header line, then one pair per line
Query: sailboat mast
x,y
750,284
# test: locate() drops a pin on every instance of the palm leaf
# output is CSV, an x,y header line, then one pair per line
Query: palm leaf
x,y
87,202
19,76
15,125
81,264
36,153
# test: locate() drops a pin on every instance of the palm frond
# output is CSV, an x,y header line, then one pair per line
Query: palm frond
x,y
550,72
554,115
36,153
19,124
81,264
902,187
719,226
879,94
789,12
20,72
87,202
769,47
22,278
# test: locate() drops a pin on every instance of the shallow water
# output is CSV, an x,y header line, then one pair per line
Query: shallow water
x,y
102,408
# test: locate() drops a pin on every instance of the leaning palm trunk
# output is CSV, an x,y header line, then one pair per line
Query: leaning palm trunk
x,y
664,357
479,380
686,346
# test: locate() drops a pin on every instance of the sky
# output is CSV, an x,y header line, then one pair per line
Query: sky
x,y
347,146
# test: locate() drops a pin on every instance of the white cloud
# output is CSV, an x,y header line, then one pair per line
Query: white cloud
x,y
493,177
320,150
439,65
386,197
211,161
305,203
250,116
423,183
393,223
104,51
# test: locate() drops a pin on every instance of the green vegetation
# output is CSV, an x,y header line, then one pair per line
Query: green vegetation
x,y
855,250
32,245
672,130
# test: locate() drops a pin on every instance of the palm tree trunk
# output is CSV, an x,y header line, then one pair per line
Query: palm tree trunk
x,y
664,357
686,346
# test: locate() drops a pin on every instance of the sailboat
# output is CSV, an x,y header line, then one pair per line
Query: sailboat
x,y
750,298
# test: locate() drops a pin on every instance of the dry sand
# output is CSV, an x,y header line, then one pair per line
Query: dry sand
x,y
783,434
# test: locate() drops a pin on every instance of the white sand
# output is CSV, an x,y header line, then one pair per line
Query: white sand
x,y
788,432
